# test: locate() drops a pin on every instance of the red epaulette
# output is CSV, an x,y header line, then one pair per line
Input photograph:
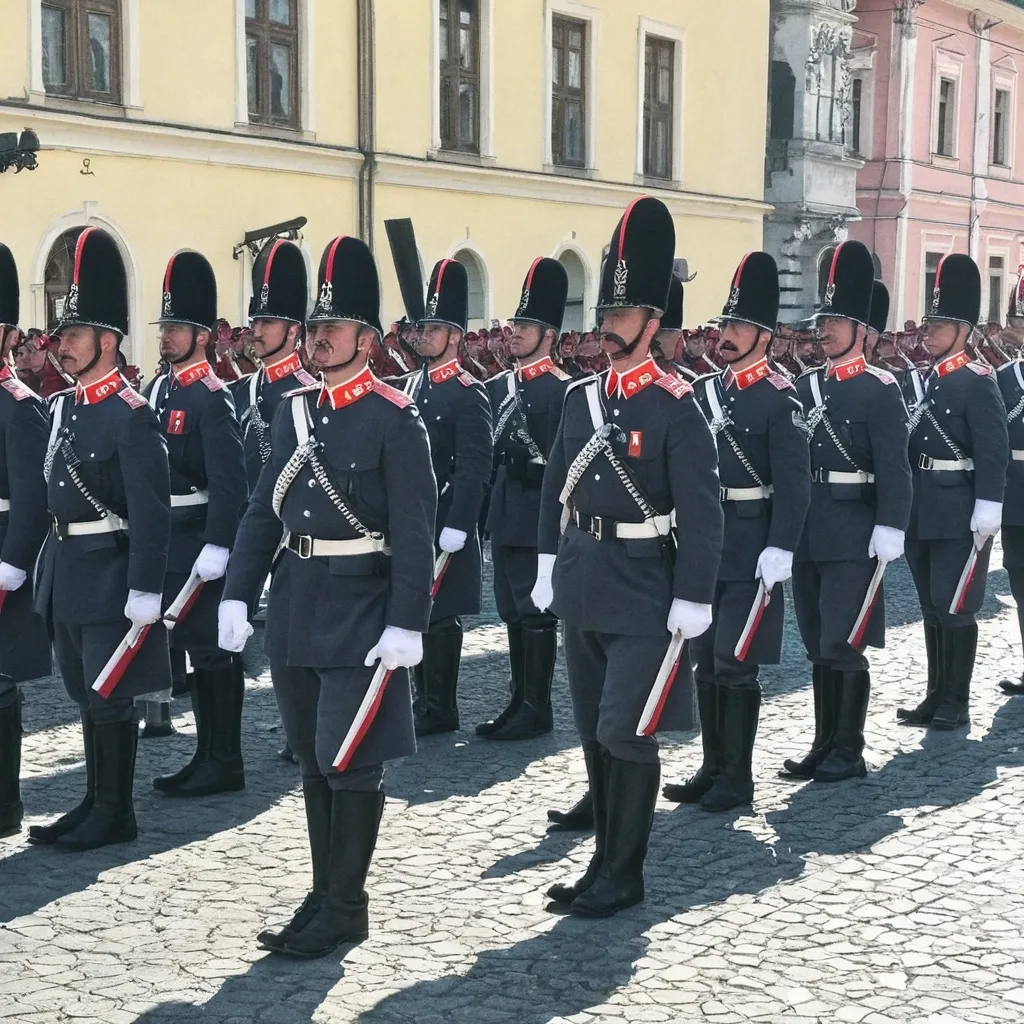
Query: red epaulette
x,y
467,380
559,374
132,397
17,388
674,386
780,381
213,382
304,378
883,375
981,369
393,395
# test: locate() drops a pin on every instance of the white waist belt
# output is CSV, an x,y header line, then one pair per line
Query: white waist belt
x,y
833,476
310,547
195,498
5,505
946,465
658,526
1017,454
746,493
111,524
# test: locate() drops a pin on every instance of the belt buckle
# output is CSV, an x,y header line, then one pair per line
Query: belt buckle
x,y
924,462
304,548
723,493
597,527
60,531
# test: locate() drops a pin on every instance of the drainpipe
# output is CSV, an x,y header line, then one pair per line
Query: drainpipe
x,y
365,97
982,27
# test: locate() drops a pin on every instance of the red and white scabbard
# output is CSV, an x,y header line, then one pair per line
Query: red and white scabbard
x,y
182,604
123,656
761,601
3,597
658,698
956,606
375,691
860,626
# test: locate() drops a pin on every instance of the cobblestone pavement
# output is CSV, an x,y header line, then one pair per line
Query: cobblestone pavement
x,y
895,898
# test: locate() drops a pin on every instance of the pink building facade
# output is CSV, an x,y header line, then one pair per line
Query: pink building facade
x,y
938,118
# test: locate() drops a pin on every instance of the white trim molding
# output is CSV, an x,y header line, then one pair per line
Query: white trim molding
x,y
89,215
485,81
572,247
590,16
1004,79
676,35
946,64
469,246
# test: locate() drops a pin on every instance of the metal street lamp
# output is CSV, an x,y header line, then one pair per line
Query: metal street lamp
x,y
19,153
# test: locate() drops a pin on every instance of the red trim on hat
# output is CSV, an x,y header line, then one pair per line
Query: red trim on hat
x,y
529,276
440,275
270,259
625,222
739,270
938,269
167,274
835,260
79,247
330,256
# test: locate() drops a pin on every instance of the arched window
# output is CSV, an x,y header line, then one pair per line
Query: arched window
x,y
574,306
57,279
877,265
82,49
476,273
783,100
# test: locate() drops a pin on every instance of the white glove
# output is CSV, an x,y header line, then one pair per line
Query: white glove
x,y
143,608
233,627
212,562
451,540
542,595
688,618
886,544
774,565
987,518
397,648
11,577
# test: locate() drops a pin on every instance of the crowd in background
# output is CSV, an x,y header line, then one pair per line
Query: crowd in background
x,y
485,353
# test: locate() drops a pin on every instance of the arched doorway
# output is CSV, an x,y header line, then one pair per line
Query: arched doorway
x,y
576,303
476,275
57,277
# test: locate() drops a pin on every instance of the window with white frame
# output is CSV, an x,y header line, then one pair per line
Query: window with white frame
x,y
568,92
659,141
856,115
81,49
996,273
945,126
1001,128
459,58
272,61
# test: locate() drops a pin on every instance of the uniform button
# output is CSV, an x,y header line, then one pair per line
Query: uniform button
x,y
947,412
819,444
312,483
616,412
60,483
438,417
353,466
92,455
325,420
306,513
597,476
74,416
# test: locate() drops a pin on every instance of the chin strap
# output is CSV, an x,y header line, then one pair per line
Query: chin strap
x,y
191,349
625,350
98,352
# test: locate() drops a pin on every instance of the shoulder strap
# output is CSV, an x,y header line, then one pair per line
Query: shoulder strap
x,y
915,379
56,422
300,419
711,392
591,389
512,384
254,386
154,394
815,383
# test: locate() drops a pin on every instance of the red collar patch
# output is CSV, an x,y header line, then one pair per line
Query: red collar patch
x,y
90,394
751,375
193,373
531,371
952,364
633,381
351,391
846,371
446,372
283,367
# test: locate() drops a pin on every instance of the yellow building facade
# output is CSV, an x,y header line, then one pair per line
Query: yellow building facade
x,y
506,129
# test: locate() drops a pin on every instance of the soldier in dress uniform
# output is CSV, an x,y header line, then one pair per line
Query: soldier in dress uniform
x,y
1011,384
24,644
860,504
670,334
764,467
959,452
632,448
278,311
109,500
457,416
350,494
526,404
208,494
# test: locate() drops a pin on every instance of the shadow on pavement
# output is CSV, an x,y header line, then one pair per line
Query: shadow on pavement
x,y
299,988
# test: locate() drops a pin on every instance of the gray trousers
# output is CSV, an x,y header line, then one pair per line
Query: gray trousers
x,y
315,706
610,679
936,566
9,695
82,652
